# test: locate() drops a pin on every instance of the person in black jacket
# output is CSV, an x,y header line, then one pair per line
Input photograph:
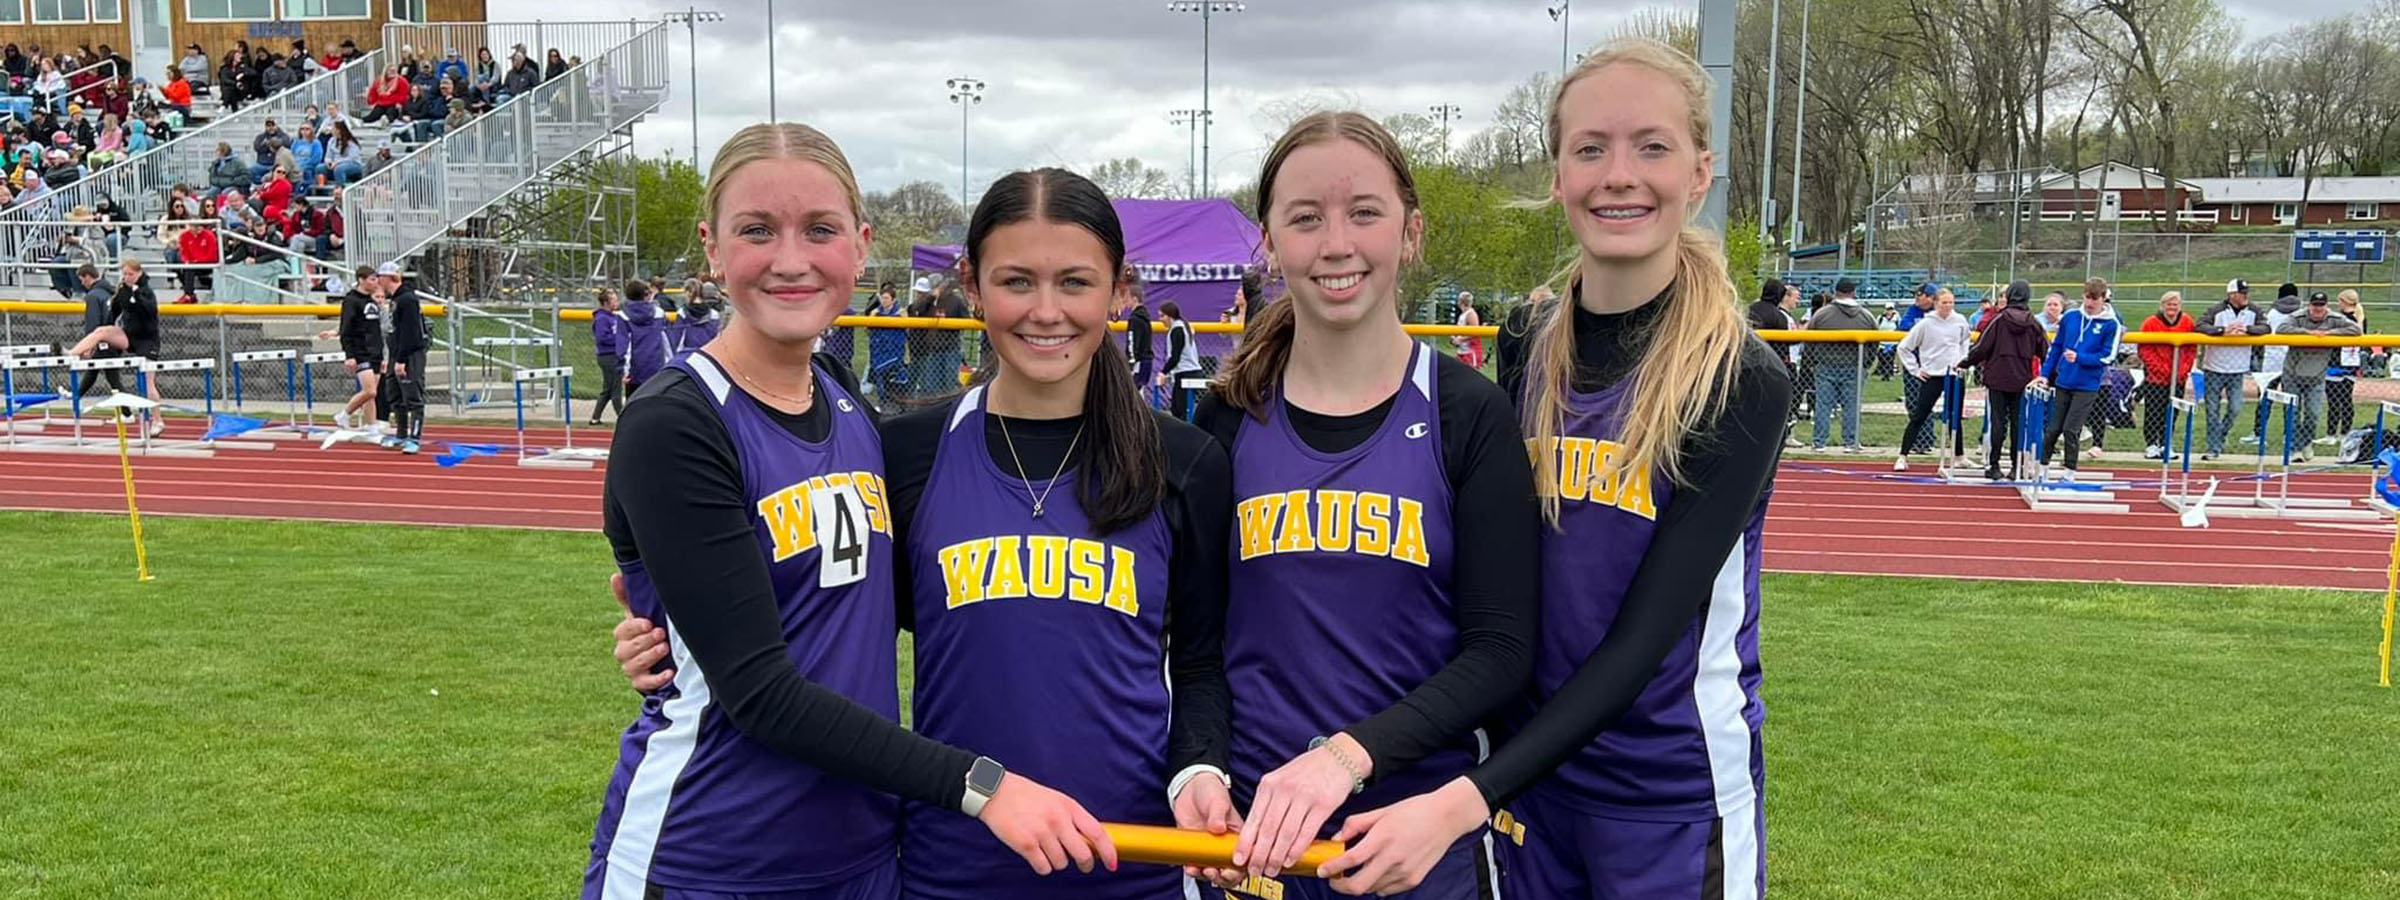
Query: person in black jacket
x,y
1137,341
361,332
2008,353
96,294
131,327
404,334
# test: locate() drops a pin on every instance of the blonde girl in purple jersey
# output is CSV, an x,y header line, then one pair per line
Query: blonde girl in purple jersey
x,y
1654,419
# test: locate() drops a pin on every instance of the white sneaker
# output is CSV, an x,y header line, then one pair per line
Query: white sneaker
x,y
382,427
157,425
1900,465
2152,451
2093,453
341,420
2328,439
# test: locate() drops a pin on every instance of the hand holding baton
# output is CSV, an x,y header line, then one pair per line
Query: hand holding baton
x,y
1185,847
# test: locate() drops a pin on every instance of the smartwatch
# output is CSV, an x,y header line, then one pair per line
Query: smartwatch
x,y
983,780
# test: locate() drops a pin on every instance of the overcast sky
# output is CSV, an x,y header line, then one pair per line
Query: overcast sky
x,y
1075,82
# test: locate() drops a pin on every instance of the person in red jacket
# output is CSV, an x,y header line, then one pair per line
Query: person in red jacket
x,y
2009,351
387,98
276,195
2166,370
196,246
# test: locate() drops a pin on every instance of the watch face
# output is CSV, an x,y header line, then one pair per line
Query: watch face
x,y
985,776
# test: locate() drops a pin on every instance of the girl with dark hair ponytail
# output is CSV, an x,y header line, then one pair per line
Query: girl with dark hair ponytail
x,y
1061,555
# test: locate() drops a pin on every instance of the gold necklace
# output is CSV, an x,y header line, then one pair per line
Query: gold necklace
x,y
808,390
1037,499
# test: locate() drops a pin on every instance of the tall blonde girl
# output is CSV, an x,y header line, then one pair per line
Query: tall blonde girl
x,y
1654,420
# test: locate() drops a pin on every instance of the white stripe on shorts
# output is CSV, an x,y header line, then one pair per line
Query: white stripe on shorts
x,y
1717,691
646,798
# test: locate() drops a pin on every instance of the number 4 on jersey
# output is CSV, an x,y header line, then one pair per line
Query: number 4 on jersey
x,y
838,515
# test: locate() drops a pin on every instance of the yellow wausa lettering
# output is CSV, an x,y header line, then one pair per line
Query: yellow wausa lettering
x,y
788,514
1040,567
1333,521
1588,472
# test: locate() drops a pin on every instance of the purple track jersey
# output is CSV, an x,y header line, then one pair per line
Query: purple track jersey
x,y
1042,645
1688,750
696,804
1339,599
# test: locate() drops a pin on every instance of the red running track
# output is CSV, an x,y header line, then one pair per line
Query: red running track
x,y
1856,520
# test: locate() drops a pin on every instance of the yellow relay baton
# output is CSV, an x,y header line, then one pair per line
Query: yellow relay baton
x,y
1191,847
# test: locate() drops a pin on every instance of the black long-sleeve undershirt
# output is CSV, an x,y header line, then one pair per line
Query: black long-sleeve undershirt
x,y
1496,568
1730,466
675,499
1199,511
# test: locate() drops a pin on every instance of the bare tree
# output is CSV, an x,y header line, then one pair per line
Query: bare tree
x,y
1128,177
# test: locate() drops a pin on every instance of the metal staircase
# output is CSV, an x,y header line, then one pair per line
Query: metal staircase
x,y
421,198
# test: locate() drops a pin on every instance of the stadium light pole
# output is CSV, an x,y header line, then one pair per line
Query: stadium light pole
x,y
965,92
1208,9
1564,15
1190,119
691,18
1716,57
1766,169
1799,127
1446,112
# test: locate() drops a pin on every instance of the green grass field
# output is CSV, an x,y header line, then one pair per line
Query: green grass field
x,y
263,721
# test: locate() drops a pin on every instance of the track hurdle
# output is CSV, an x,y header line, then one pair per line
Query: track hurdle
x,y
43,359
2085,493
222,431
76,442
568,456
2261,502
291,429
513,344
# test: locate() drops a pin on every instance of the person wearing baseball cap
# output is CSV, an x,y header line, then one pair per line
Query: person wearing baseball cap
x,y
2222,369
2304,368
404,337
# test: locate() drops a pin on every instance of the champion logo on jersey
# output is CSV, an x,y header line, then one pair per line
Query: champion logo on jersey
x,y
1417,430
842,403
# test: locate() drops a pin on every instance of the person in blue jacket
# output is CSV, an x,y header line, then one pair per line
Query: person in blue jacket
x,y
610,336
2077,366
646,348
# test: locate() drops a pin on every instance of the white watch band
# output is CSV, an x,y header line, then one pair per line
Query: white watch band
x,y
1175,785
972,803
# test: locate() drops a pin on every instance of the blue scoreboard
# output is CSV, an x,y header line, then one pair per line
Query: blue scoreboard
x,y
2361,247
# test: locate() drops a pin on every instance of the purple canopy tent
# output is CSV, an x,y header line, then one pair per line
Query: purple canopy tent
x,y
1190,251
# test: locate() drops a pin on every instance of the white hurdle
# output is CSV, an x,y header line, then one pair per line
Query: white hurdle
x,y
2260,504
76,443
291,429
207,367
12,363
565,457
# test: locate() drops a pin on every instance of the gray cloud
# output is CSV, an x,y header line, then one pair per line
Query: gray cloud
x,y
1074,82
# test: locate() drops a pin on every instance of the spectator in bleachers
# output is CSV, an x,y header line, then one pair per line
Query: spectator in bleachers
x,y
1838,379
555,66
112,219
319,227
387,97
486,77
309,153
155,124
61,170
453,66
2165,370
234,81
300,60
276,193
523,76
383,158
2078,360
115,98
413,69
141,96
227,172
119,68
50,87
176,93
344,157
1930,354
231,208
283,76
425,114
16,68
196,246
2304,367
350,53
2007,355
2223,369
108,143
270,141
194,65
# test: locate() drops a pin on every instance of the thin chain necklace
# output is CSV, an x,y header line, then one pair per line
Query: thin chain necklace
x,y
808,390
1037,499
